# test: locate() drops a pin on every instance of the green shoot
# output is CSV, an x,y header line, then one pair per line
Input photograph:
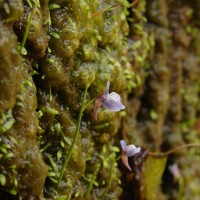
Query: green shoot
x,y
29,18
55,35
109,180
92,181
53,6
67,158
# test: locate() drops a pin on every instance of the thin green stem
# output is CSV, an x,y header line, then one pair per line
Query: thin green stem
x,y
88,103
67,158
109,180
29,18
162,154
92,181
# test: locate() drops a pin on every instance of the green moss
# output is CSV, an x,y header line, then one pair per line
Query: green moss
x,y
23,161
6,121
148,53
11,10
10,62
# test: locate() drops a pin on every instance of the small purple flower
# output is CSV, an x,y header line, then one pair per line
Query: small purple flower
x,y
175,171
110,101
128,151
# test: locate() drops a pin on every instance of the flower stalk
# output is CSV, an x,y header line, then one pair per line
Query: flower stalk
x,y
67,158
167,153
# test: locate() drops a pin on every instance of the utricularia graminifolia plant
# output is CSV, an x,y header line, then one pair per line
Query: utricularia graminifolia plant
x,y
112,102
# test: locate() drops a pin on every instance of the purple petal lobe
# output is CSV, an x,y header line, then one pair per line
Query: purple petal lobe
x,y
132,150
123,145
113,102
107,89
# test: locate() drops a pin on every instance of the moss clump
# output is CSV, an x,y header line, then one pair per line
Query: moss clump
x,y
74,61
22,161
164,105
10,62
148,51
67,46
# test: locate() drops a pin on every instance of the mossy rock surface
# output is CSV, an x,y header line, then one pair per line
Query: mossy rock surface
x,y
51,51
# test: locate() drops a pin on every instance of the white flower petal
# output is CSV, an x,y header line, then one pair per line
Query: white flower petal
x,y
114,97
174,169
113,102
132,150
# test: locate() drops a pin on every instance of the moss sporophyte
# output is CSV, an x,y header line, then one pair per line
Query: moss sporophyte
x,y
110,101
